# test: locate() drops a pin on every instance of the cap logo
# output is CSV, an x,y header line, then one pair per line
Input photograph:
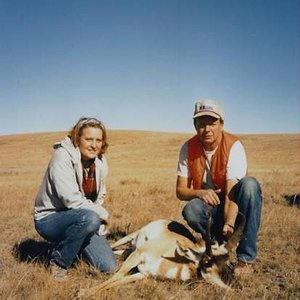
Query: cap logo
x,y
206,107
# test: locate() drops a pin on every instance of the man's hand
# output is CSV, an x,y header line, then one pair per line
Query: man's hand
x,y
210,197
228,230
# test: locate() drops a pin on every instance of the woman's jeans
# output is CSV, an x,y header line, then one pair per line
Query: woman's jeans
x,y
249,201
74,232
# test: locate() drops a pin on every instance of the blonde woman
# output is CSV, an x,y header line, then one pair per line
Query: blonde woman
x,y
68,207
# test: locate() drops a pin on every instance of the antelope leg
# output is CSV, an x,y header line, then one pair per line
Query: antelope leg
x,y
214,279
133,260
126,239
118,252
86,293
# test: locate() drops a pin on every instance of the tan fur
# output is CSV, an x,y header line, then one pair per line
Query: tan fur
x,y
163,249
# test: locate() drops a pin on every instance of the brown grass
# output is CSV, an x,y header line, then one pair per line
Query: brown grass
x,y
142,188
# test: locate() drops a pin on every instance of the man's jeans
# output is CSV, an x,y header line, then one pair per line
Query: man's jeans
x,y
74,232
249,201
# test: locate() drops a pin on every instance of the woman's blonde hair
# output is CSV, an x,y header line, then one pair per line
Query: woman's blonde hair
x,y
84,122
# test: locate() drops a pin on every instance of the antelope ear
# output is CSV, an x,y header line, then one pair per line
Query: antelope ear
x,y
221,250
187,252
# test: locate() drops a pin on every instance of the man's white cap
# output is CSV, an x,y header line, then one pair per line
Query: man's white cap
x,y
208,107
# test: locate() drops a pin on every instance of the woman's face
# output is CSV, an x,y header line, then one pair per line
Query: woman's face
x,y
90,142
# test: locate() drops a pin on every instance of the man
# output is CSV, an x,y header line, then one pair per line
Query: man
x,y
212,177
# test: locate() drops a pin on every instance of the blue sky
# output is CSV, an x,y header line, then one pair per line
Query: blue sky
x,y
142,64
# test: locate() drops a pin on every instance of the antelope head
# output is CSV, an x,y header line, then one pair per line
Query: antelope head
x,y
212,263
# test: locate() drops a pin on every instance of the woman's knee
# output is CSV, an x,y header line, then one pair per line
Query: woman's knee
x,y
100,255
110,266
91,220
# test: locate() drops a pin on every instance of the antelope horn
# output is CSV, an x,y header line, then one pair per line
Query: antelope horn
x,y
238,233
208,250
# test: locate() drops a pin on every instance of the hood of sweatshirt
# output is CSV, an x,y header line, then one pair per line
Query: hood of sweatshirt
x,y
67,144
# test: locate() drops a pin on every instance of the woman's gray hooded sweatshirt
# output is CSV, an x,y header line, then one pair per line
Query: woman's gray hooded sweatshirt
x,y
61,188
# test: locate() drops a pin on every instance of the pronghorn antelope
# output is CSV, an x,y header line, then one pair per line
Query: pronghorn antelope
x,y
166,249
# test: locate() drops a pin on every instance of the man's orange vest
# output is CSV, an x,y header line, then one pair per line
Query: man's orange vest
x,y
196,161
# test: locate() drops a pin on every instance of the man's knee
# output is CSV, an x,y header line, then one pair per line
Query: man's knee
x,y
249,186
249,193
193,211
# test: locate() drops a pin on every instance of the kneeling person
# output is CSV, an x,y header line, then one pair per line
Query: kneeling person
x,y
68,207
212,177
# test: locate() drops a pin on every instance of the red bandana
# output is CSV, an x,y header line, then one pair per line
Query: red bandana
x,y
89,182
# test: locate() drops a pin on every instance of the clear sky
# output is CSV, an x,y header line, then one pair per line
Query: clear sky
x,y
142,64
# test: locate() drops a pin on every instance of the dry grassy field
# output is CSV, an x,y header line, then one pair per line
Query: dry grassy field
x,y
141,188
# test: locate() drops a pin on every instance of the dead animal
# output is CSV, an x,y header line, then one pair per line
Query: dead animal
x,y
166,249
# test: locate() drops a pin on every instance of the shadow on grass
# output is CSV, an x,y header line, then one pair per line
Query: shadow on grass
x,y
292,200
116,233
31,250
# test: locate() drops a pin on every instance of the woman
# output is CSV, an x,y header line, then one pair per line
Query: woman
x,y
68,206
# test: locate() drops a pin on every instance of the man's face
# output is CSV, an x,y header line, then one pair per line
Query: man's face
x,y
209,131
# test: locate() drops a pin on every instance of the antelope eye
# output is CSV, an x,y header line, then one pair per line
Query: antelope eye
x,y
207,263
